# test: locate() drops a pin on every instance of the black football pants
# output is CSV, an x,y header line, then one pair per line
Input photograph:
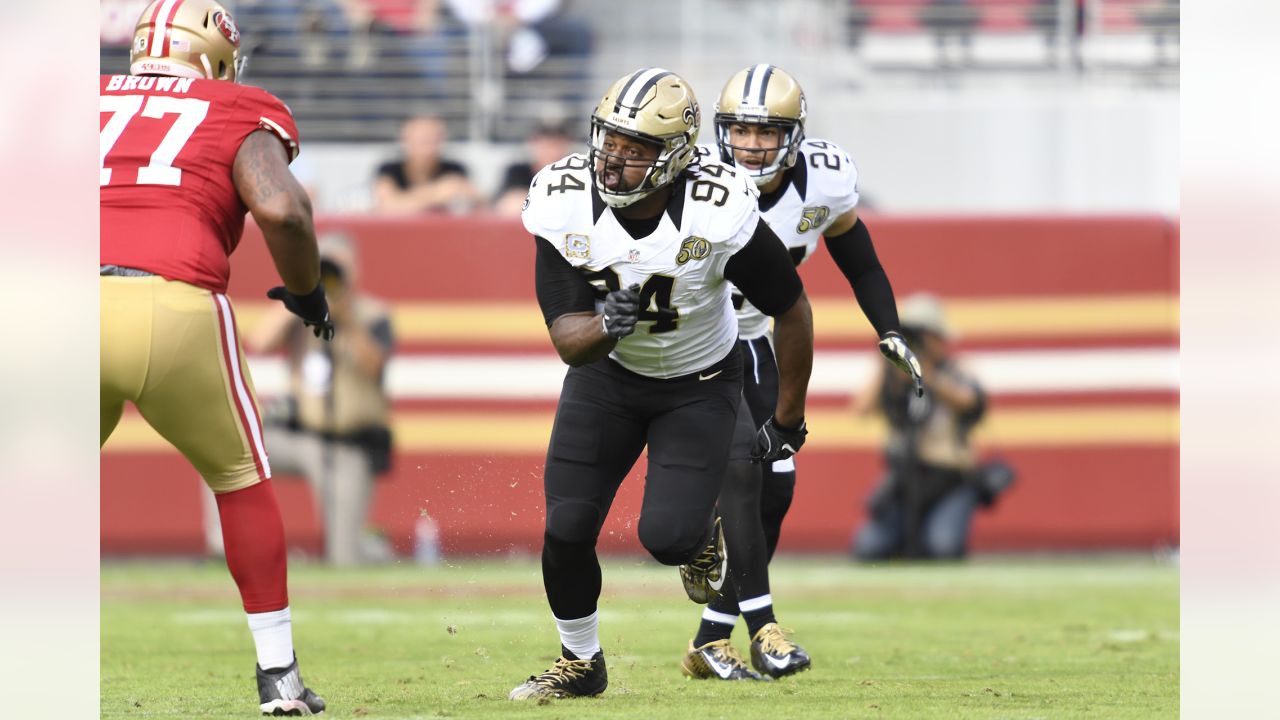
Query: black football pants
x,y
605,417
755,497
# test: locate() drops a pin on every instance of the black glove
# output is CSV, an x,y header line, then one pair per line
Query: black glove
x,y
621,310
895,350
312,308
775,442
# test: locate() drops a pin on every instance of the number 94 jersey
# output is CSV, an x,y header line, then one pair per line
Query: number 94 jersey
x,y
167,199
820,187
686,321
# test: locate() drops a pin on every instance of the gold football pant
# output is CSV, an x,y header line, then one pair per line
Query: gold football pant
x,y
172,350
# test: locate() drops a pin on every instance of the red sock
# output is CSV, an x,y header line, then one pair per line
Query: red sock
x,y
253,538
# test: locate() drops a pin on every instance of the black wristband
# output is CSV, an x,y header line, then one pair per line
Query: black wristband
x,y
786,429
313,306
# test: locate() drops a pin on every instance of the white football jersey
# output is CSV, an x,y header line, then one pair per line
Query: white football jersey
x,y
687,320
823,186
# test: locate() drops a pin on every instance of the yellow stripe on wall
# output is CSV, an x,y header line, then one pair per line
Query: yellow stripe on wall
x,y
973,318
525,432
1038,317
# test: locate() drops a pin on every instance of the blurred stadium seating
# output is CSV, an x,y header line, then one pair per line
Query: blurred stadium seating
x,y
1061,105
354,82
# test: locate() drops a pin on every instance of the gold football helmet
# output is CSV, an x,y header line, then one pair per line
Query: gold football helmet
x,y
767,95
654,106
186,38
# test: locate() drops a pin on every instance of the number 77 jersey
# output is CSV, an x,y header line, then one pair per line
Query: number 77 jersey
x,y
686,320
168,203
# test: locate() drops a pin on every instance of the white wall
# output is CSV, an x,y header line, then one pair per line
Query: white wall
x,y
1036,150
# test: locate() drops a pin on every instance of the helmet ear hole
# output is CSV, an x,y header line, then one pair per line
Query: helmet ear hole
x,y
222,69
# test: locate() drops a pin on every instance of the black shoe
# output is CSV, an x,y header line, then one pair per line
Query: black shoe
x,y
282,692
704,577
568,677
717,659
773,654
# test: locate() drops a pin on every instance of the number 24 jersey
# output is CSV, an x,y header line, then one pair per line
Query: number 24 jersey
x,y
686,320
822,186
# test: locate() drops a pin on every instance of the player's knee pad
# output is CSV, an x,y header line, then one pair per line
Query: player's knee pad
x,y
557,553
573,522
872,542
673,540
246,475
945,545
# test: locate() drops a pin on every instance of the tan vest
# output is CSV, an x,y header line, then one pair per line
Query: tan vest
x,y
942,439
315,367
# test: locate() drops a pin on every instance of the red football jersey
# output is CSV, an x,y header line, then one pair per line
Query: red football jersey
x,y
168,202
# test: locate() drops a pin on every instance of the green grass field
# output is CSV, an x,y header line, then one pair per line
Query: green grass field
x,y
994,638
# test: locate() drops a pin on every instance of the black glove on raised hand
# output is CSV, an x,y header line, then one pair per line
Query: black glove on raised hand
x,y
312,308
621,310
775,442
895,350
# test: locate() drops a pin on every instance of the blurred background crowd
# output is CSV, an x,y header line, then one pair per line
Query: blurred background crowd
x,y
1051,102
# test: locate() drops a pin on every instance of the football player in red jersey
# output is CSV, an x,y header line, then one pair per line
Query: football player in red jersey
x,y
185,152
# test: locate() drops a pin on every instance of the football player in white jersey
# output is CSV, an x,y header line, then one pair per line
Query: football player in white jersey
x,y
636,249
808,188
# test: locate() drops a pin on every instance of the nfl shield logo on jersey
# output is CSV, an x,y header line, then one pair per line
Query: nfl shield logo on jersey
x,y
577,246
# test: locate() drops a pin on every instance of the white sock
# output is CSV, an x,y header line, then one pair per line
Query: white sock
x,y
273,638
755,603
581,636
718,617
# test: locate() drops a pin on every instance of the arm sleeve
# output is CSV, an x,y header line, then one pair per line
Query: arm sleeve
x,y
449,167
517,177
975,413
381,332
561,289
391,170
765,273
856,257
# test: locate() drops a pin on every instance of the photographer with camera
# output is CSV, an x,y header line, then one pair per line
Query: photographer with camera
x,y
334,427
924,506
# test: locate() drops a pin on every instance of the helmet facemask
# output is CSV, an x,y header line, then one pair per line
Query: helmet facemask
x,y
791,133
762,94
653,107
674,155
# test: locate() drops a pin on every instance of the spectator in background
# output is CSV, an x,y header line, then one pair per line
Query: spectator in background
x,y
384,33
547,47
546,144
423,180
335,431
924,506
531,30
